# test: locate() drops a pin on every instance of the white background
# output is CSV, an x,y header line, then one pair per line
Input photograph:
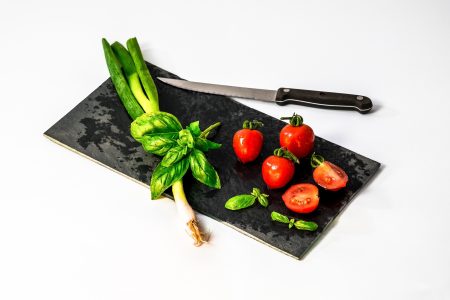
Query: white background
x,y
71,229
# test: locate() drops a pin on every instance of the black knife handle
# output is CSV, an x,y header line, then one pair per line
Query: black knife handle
x,y
323,99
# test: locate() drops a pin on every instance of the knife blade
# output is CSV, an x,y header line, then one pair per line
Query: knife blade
x,y
282,96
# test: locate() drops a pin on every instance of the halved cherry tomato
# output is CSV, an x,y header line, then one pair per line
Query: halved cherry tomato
x,y
278,169
301,198
328,175
247,142
297,137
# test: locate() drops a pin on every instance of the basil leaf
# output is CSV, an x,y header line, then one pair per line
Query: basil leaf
x,y
194,128
291,223
160,122
206,145
263,200
305,225
185,138
170,135
240,202
279,217
174,155
202,170
157,144
163,177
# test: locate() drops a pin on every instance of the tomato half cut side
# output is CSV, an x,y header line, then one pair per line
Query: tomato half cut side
x,y
330,177
301,198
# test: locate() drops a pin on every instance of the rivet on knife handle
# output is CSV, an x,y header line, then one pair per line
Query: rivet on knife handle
x,y
323,99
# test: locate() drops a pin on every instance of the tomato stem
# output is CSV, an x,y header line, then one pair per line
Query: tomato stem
x,y
295,120
316,160
283,152
255,124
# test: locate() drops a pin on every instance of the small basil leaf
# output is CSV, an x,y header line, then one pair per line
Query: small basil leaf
x,y
291,223
240,202
305,225
276,216
185,138
157,144
174,155
194,128
263,199
159,122
202,170
163,177
206,145
256,192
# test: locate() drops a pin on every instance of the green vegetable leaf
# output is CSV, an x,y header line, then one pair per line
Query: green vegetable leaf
x,y
186,138
174,155
299,224
157,144
124,58
262,198
194,128
160,122
291,223
305,225
240,202
164,177
120,82
144,74
202,170
276,216
206,145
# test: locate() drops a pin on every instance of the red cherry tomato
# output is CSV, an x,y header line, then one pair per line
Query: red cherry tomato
x,y
301,198
278,169
297,137
247,142
328,175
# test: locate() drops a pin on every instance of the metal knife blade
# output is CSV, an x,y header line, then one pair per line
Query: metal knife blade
x,y
224,90
281,96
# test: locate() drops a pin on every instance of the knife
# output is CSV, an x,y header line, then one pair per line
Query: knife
x,y
281,96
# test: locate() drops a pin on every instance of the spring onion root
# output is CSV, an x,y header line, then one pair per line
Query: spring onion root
x,y
186,213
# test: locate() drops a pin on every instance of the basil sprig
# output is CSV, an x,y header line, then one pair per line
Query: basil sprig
x,y
161,134
247,200
299,224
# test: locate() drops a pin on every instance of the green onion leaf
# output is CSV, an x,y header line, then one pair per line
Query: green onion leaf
x,y
143,72
120,83
133,79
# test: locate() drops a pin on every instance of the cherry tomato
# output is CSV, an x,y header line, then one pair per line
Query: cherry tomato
x,y
297,137
278,169
247,142
301,198
328,175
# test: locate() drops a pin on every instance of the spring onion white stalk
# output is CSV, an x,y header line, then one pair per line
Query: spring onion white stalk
x,y
186,213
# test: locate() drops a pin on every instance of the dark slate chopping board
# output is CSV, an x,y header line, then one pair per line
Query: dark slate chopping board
x,y
98,128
